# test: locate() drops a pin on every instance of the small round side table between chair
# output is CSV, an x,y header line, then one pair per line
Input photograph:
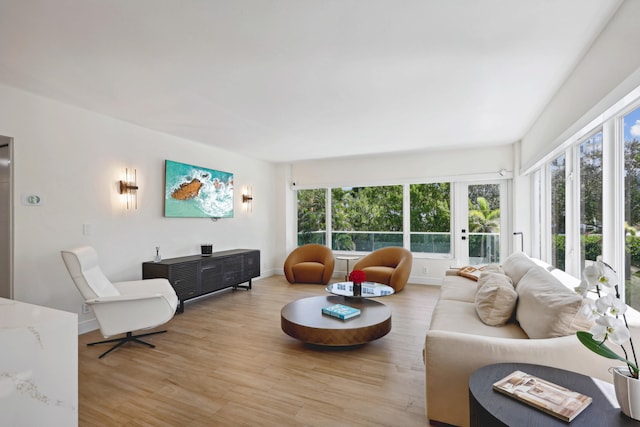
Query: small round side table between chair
x,y
347,258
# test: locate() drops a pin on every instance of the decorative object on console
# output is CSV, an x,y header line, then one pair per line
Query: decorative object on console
x,y
157,258
247,199
611,324
206,249
197,192
357,277
129,188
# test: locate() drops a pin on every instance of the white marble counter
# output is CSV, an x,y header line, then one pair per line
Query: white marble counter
x,y
38,365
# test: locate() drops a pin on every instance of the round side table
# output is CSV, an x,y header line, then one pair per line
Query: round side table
x,y
347,258
488,408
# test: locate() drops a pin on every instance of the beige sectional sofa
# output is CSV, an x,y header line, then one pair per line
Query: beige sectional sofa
x,y
540,329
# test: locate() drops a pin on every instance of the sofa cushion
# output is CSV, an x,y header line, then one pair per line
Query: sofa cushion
x,y
496,299
547,308
516,266
461,317
458,288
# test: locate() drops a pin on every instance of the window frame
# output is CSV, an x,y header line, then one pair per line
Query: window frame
x,y
503,178
610,123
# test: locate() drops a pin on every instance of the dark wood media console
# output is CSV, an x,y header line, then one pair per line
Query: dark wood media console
x,y
197,275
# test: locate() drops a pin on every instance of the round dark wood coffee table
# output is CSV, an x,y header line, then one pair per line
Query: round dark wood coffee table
x,y
303,319
490,408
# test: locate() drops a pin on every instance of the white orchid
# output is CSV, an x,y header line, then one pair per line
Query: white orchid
x,y
608,304
590,311
606,311
610,328
605,275
589,279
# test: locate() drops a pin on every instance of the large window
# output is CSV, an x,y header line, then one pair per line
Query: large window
x,y
592,206
590,152
558,211
312,227
456,220
430,206
632,207
366,218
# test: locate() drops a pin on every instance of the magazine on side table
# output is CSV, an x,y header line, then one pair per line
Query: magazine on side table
x,y
546,396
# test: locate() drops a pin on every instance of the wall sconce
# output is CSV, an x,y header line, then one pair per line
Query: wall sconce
x,y
247,199
129,188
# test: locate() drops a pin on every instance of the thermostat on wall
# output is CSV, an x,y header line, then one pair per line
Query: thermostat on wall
x,y
32,200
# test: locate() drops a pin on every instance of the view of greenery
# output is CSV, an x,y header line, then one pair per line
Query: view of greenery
x,y
368,218
312,216
632,207
430,217
591,204
484,222
558,211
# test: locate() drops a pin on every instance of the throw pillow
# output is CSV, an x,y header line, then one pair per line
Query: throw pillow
x,y
496,299
546,308
490,274
516,266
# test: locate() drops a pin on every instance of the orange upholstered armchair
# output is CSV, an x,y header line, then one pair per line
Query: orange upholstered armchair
x,y
389,266
310,263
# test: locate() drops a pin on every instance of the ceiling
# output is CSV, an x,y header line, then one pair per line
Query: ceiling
x,y
290,80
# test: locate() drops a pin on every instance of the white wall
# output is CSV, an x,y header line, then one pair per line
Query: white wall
x,y
483,163
400,168
74,158
609,70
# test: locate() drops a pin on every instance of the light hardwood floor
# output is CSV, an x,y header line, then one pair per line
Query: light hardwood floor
x,y
226,362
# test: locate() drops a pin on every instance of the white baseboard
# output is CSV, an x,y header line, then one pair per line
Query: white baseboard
x,y
87,326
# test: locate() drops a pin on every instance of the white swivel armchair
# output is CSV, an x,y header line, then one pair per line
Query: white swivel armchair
x,y
121,307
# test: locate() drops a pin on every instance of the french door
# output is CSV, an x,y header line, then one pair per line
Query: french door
x,y
480,222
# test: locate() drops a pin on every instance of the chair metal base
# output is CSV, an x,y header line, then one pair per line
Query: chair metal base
x,y
127,338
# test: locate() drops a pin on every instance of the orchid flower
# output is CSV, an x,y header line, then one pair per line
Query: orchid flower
x,y
590,277
608,304
607,277
610,328
606,311
590,311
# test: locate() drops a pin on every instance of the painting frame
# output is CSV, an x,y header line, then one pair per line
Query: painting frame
x,y
197,192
